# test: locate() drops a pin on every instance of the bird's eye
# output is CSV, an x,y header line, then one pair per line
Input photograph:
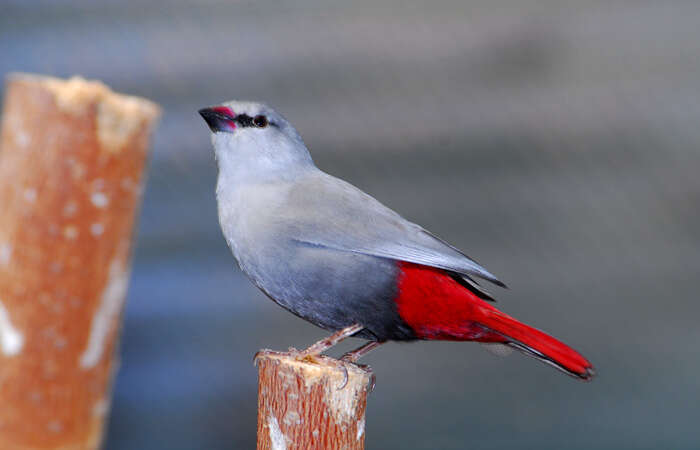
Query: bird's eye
x,y
260,121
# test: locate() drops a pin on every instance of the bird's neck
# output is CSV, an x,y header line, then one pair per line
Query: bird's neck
x,y
252,161
234,176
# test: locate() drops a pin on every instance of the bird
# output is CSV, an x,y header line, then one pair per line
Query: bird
x,y
335,256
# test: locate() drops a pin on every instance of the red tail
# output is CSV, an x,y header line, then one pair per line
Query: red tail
x,y
436,306
537,344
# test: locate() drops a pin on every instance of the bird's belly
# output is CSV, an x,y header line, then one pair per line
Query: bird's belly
x,y
332,289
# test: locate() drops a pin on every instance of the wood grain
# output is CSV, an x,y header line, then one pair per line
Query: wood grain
x,y
310,404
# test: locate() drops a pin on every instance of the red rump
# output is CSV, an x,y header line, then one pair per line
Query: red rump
x,y
436,306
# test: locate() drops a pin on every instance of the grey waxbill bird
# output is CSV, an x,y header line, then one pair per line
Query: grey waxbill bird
x,y
333,255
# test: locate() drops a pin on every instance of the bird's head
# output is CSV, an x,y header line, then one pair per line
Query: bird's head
x,y
253,137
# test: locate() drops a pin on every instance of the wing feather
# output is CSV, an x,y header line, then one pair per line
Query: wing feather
x,y
327,212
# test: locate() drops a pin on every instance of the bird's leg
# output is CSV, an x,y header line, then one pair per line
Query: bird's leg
x,y
358,353
324,344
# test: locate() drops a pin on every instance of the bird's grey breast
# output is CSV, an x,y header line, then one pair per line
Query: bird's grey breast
x,y
247,215
328,287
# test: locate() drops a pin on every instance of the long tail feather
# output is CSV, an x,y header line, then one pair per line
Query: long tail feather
x,y
436,306
537,344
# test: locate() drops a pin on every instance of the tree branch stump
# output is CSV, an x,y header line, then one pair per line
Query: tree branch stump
x,y
316,403
71,170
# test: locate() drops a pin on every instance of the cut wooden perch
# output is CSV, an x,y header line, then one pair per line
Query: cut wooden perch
x,y
72,155
313,403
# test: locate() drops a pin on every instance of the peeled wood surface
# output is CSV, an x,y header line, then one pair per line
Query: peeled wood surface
x,y
304,405
72,155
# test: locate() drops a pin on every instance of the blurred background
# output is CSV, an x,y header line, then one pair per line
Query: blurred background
x,y
556,141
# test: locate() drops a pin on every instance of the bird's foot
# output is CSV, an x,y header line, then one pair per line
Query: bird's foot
x,y
358,353
324,344
312,353
372,377
364,367
353,356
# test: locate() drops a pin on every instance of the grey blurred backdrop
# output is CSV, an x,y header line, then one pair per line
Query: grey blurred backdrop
x,y
555,141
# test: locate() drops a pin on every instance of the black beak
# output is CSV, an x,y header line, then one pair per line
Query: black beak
x,y
217,119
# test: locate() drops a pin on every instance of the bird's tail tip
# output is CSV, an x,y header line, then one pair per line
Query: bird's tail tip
x,y
539,345
576,367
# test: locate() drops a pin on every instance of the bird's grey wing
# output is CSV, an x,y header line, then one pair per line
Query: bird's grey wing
x,y
327,212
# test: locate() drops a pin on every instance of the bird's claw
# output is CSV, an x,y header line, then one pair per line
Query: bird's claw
x,y
345,377
366,368
372,377
372,383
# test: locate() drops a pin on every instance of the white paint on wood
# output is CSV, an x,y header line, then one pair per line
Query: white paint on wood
x,y
11,340
30,195
5,253
106,314
360,428
22,139
277,438
100,408
292,418
70,232
99,199
97,229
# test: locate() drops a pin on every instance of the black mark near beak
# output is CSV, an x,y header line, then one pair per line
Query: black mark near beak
x,y
219,118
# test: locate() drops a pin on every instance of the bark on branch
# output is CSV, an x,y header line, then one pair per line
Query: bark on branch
x,y
71,170
316,403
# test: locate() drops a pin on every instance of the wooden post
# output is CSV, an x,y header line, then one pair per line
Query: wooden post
x,y
71,173
315,403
